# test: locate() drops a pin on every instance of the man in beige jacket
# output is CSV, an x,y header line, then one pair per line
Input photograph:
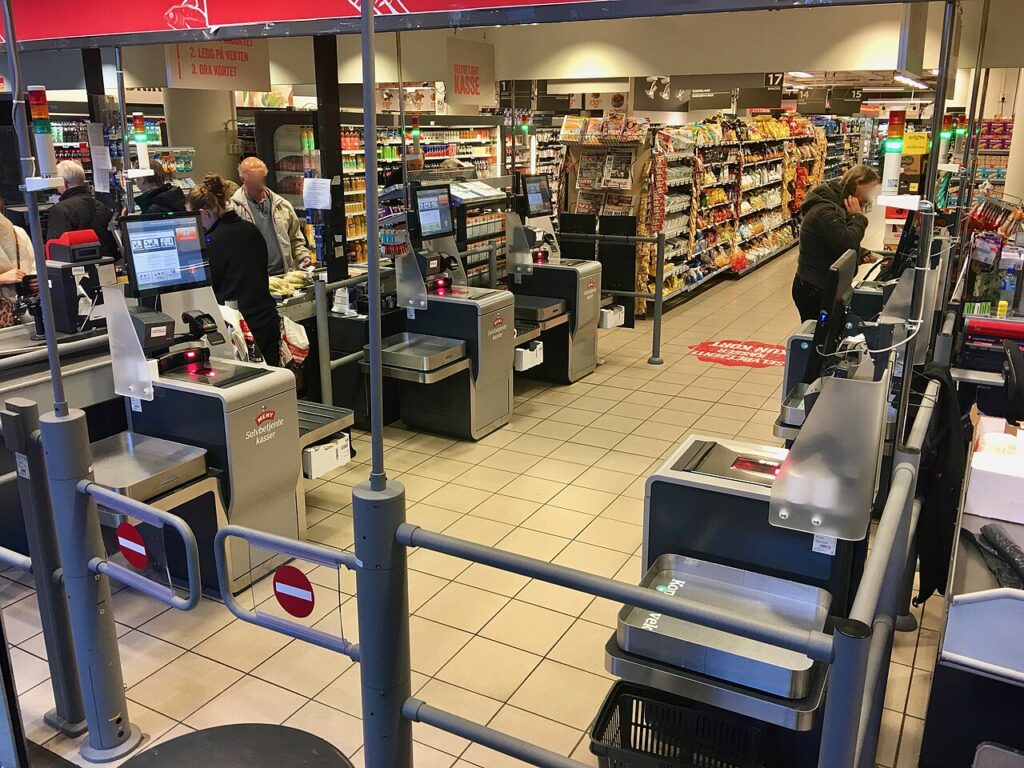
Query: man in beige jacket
x,y
273,215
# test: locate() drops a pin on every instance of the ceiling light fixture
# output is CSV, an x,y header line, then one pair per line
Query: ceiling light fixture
x,y
802,75
912,82
666,92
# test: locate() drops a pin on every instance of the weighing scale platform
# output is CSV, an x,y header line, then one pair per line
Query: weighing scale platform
x,y
142,467
536,309
420,352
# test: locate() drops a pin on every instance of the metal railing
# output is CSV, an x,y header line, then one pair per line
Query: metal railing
x,y
321,290
657,296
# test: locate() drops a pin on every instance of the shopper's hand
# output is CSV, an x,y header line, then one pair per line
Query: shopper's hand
x,y
869,258
853,205
11,276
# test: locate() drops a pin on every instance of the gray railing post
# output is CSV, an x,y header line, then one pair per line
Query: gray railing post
x,y
659,299
323,343
20,419
68,462
852,644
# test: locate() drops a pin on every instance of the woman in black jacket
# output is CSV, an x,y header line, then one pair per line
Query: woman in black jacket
x,y
833,223
238,263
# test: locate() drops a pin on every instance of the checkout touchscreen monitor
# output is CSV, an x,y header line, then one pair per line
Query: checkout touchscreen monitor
x,y
164,253
829,330
537,191
434,211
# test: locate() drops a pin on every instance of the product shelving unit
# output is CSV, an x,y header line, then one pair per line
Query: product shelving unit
x,y
993,152
845,144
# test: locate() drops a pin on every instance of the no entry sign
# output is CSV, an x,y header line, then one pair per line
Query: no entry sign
x,y
743,354
132,545
293,591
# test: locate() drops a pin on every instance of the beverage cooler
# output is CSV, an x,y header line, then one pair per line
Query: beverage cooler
x,y
279,143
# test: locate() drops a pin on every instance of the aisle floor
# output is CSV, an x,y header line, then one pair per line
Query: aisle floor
x,y
563,482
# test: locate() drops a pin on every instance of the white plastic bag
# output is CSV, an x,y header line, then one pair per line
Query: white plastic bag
x,y
294,343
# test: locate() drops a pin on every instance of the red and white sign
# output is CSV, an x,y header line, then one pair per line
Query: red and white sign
x,y
293,591
742,354
470,77
240,65
132,545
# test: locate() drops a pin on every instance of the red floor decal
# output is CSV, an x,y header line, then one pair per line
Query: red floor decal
x,y
743,354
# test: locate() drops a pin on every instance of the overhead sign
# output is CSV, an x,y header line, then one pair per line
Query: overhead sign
x,y
769,97
656,94
132,545
293,591
470,72
231,65
774,79
845,101
705,98
812,101
741,354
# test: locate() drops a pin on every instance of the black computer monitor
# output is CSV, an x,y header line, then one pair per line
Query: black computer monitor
x,y
537,192
164,252
829,330
432,207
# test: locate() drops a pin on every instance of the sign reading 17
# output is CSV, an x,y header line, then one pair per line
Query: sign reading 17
x,y
774,79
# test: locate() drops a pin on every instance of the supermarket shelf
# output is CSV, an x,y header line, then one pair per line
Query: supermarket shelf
x,y
759,210
716,205
690,287
678,156
780,225
678,207
771,183
764,162
993,151
485,236
719,163
680,182
706,227
355,238
356,213
725,183
766,259
677,231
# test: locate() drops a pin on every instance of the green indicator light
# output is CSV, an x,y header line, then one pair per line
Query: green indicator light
x,y
946,135
894,145
961,131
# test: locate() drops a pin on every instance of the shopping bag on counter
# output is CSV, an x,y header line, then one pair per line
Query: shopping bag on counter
x,y
238,331
294,343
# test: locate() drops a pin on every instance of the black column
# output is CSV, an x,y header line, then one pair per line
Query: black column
x,y
328,133
92,65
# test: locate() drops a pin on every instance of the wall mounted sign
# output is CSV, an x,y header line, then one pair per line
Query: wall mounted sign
x,y
231,65
706,98
769,97
845,101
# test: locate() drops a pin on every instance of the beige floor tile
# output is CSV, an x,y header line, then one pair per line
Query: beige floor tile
x,y
561,599
535,445
662,431
553,396
562,693
910,742
927,649
21,619
665,387
575,416
603,612
718,424
527,626
510,461
686,405
492,579
545,733
621,424
636,489
594,404
732,397
625,510
250,700
897,687
479,530
419,488
498,439
505,509
303,668
344,693
522,424
579,499
183,686
433,644
558,470
444,566
592,559
463,607
338,728
485,478
401,460
335,531
558,430
696,392
440,468
457,498
29,670
920,689
628,463
634,410
888,738
933,614
578,454
583,647
142,655
431,518
489,668
241,645
538,544
188,629
536,409
605,479
330,496
612,534
597,438
532,489
428,444
582,753
558,521
458,701
471,453
643,446
904,647
134,609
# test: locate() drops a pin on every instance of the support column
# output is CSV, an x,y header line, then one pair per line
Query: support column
x,y
328,135
1015,163
198,118
92,66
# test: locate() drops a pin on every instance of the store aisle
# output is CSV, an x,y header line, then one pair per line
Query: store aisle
x,y
563,482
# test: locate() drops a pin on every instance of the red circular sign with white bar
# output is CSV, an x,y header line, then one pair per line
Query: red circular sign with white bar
x,y
293,591
743,354
132,545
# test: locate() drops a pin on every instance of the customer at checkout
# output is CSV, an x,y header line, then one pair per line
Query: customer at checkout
x,y
273,216
238,263
17,259
79,209
158,194
833,223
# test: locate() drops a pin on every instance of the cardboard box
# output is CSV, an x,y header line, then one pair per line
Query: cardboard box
x,y
911,174
996,484
318,460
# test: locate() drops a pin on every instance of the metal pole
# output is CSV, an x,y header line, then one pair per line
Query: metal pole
x,y
323,342
401,119
378,479
60,405
378,509
971,161
69,461
492,266
659,299
845,692
20,419
916,312
122,106
948,26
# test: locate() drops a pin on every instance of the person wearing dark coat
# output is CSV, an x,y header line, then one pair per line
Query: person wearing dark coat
x,y
238,263
158,194
79,209
833,223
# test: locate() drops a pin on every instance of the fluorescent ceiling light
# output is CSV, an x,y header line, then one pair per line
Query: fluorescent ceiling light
x,y
912,82
935,71
803,75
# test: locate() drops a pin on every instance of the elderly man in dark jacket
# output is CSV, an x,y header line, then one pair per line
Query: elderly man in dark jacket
x,y
158,194
79,209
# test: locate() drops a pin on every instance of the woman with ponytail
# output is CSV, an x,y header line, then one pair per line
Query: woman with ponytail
x,y
238,263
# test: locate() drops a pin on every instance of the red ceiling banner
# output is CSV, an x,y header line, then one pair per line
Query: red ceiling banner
x,y
58,19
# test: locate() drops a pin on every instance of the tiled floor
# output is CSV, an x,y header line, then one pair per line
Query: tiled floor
x,y
563,482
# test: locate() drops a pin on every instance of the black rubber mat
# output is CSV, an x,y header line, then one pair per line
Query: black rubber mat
x,y
251,745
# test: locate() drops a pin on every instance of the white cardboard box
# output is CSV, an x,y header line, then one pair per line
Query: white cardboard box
x,y
318,460
996,485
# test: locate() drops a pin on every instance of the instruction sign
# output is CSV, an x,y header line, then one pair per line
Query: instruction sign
x,y
741,354
132,545
229,65
293,591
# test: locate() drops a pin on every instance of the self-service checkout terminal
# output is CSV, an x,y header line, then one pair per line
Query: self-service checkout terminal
x,y
454,361
558,301
75,271
213,440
